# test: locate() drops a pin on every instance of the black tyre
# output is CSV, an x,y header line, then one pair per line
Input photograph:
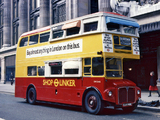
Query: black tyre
x,y
31,96
93,102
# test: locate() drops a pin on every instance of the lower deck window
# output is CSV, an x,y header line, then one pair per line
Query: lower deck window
x,y
97,66
64,68
56,68
71,71
41,70
87,69
32,71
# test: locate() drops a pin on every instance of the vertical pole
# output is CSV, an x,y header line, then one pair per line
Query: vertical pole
x,y
3,69
104,6
23,16
44,13
7,24
158,67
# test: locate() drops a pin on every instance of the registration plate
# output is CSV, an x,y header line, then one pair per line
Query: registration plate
x,y
127,104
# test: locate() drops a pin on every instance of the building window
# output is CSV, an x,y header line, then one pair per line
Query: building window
x,y
15,33
1,15
59,12
34,22
15,9
1,1
34,4
94,6
34,14
1,38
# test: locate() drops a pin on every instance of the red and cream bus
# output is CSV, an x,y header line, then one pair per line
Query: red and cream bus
x,y
79,62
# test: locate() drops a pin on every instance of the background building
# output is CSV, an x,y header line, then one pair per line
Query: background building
x,y
19,16
147,13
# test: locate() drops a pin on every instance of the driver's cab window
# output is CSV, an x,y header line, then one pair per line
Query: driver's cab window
x,y
113,67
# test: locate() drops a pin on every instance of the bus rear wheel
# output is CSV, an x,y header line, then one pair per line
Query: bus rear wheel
x,y
31,96
93,102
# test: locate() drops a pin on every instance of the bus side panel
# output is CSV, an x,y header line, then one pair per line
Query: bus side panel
x,y
20,88
52,90
96,82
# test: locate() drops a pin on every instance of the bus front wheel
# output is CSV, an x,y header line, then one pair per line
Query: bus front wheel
x,y
93,102
31,96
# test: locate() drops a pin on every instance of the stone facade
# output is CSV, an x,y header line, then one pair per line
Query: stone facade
x,y
19,16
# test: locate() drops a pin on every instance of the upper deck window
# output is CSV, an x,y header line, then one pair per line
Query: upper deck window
x,y
129,29
57,32
113,24
90,26
33,39
73,31
24,42
113,27
72,28
44,37
122,43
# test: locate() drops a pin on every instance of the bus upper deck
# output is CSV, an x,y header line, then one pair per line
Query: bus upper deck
x,y
119,35
96,35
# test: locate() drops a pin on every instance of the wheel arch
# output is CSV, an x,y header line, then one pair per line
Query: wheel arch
x,y
85,93
30,86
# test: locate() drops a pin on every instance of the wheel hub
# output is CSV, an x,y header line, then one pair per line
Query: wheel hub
x,y
92,102
31,96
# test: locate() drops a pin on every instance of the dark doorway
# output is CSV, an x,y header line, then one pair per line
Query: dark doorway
x,y
94,6
8,72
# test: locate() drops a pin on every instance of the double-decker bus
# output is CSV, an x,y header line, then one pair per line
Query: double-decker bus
x,y
79,62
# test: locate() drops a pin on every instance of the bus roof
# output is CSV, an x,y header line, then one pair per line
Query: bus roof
x,y
110,14
36,31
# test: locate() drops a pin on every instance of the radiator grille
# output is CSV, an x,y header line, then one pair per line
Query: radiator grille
x,y
126,95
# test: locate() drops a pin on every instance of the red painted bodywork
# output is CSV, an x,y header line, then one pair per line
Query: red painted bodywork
x,y
72,94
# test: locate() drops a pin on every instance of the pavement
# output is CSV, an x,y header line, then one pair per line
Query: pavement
x,y
7,88
10,89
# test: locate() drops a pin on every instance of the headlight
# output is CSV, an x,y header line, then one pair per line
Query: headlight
x,y
110,93
138,92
